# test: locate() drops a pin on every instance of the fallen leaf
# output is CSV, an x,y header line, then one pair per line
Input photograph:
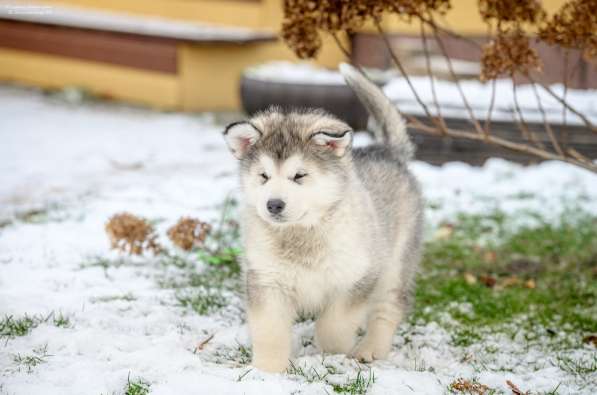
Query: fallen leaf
x,y
470,278
530,284
202,344
490,256
444,232
510,281
462,385
488,281
515,389
591,339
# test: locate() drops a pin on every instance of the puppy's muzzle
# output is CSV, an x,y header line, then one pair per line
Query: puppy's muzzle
x,y
275,206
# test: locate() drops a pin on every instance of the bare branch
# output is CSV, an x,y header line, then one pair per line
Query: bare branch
x,y
431,78
565,103
472,117
405,75
429,21
487,129
518,147
344,51
522,125
565,79
548,128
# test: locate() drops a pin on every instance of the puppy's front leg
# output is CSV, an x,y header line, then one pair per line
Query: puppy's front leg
x,y
270,318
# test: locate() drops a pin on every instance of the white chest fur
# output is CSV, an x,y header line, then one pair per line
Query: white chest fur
x,y
311,266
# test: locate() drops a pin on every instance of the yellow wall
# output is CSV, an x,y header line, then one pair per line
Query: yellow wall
x,y
463,18
210,74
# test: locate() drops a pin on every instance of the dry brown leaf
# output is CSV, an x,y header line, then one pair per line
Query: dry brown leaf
x,y
444,232
530,284
470,278
466,386
489,256
488,281
591,339
203,343
515,389
510,281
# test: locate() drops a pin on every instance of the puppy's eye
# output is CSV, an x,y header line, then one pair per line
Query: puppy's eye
x,y
264,177
299,176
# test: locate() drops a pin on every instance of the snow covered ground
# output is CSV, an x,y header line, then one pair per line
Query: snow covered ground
x,y
79,164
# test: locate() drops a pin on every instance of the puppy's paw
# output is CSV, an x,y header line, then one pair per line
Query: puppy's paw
x,y
270,365
369,350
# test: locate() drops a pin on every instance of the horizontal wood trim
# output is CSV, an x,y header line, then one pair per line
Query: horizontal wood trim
x,y
151,88
141,52
227,13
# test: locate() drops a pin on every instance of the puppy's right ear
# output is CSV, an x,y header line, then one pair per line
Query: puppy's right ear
x,y
240,136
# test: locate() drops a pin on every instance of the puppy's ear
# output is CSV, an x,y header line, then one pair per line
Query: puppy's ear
x,y
240,136
337,142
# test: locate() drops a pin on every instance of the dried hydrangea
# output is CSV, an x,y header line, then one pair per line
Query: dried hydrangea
x,y
512,11
574,26
188,233
507,54
305,19
131,234
415,8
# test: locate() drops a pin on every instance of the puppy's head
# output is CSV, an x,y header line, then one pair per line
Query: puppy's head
x,y
294,165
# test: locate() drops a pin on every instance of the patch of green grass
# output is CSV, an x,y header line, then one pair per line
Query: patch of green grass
x,y
357,386
560,258
202,288
102,262
136,387
44,215
11,327
202,300
583,367
31,361
310,375
245,354
240,354
128,297
222,247
61,321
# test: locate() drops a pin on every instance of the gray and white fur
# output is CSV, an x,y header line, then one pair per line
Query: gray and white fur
x,y
327,229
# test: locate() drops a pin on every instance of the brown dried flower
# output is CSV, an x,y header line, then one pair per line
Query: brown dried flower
x,y
512,11
574,26
507,54
304,19
188,233
131,234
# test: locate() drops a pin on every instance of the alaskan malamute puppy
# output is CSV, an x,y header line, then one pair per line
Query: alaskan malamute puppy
x,y
327,229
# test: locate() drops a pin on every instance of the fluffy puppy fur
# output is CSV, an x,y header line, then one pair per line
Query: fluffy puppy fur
x,y
327,230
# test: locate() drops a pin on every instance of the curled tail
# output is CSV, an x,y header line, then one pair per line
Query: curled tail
x,y
381,109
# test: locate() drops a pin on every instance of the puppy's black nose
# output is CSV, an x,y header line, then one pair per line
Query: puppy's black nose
x,y
275,206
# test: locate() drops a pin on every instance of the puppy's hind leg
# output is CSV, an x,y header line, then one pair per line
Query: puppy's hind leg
x,y
391,299
336,328
384,316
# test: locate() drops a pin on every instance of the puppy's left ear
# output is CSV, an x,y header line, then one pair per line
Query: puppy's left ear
x,y
337,142
240,136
